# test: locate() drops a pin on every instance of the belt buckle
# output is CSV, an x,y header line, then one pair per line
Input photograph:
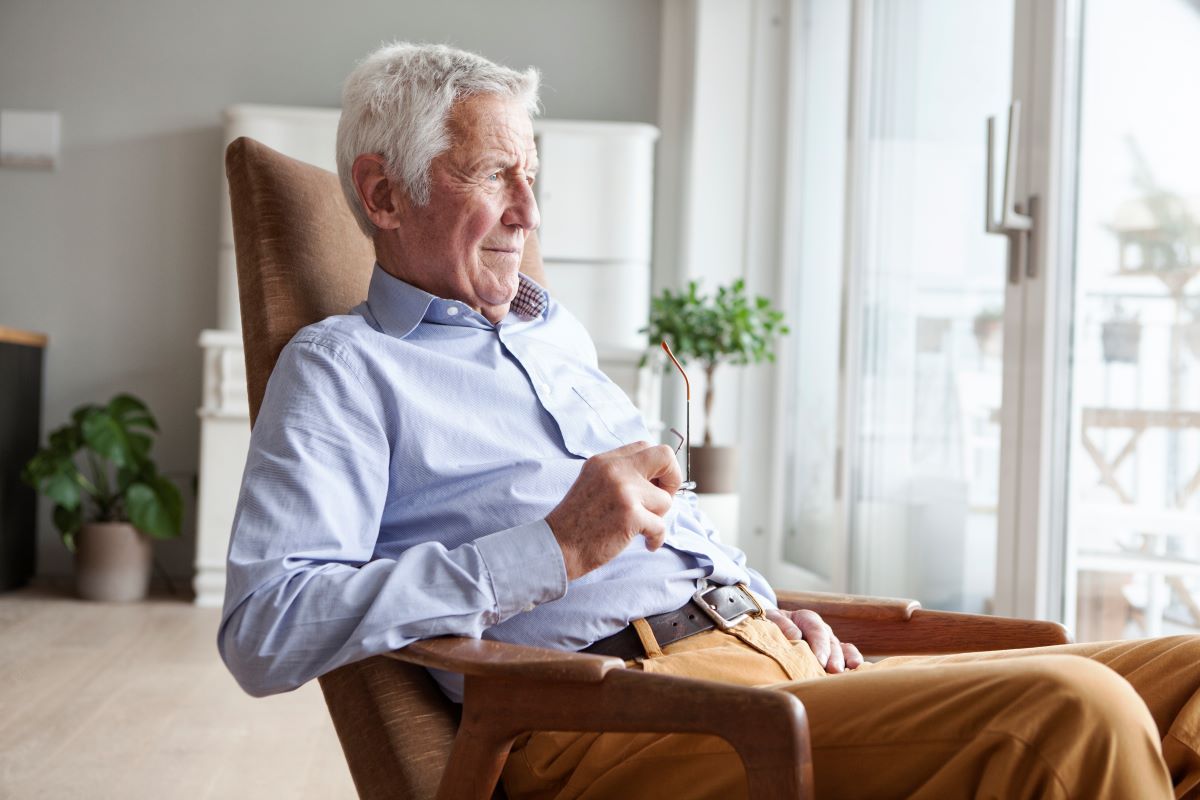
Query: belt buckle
x,y
711,610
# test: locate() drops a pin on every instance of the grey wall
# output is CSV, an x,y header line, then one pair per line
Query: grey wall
x,y
115,254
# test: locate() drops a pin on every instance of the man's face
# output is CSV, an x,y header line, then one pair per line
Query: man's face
x,y
466,242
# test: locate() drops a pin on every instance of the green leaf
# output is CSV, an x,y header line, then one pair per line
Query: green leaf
x,y
41,466
66,440
54,475
68,522
63,488
107,436
82,413
126,477
155,507
131,412
139,445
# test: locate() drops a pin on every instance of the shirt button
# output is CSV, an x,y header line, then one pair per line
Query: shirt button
x,y
529,607
545,388
452,311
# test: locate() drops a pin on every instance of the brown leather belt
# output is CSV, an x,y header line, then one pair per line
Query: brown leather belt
x,y
719,606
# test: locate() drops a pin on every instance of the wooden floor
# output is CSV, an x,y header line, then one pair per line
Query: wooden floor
x,y
132,701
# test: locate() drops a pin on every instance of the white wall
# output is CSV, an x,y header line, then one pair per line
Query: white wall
x,y
115,254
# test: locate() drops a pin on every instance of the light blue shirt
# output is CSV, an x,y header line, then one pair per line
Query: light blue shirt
x,y
400,472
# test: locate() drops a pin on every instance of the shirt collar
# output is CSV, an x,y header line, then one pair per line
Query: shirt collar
x,y
531,300
399,307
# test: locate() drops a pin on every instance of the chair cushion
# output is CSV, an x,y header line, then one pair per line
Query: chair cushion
x,y
291,220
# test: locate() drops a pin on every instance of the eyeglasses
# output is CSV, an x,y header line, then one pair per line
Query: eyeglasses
x,y
685,439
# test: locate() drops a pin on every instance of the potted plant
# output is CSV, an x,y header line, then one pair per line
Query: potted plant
x,y
725,328
109,498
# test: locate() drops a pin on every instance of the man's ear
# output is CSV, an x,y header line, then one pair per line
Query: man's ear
x,y
381,198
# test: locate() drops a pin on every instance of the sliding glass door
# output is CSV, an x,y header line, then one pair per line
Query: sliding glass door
x,y
897,431
927,451
1134,566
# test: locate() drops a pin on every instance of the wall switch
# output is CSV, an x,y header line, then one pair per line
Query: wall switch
x,y
29,139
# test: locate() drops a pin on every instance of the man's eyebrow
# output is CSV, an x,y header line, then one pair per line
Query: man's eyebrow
x,y
490,160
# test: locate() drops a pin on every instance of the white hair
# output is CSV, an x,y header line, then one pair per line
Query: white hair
x,y
396,103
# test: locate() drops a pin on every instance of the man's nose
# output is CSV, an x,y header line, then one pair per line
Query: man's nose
x,y
522,208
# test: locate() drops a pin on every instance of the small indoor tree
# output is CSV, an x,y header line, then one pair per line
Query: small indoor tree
x,y
725,328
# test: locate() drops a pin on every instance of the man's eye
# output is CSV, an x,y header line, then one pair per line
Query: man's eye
x,y
495,176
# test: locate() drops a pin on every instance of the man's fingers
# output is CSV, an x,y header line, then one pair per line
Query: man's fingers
x,y
854,659
657,501
656,463
654,531
837,659
659,465
785,624
816,632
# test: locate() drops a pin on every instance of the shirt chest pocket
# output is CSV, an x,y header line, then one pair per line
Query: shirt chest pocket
x,y
608,418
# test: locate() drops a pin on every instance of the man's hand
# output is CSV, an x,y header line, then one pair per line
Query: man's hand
x,y
618,495
834,655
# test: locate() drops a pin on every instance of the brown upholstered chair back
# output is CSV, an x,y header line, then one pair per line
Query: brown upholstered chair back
x,y
301,258
300,255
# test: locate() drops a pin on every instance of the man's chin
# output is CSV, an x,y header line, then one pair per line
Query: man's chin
x,y
501,288
494,313
498,302
495,298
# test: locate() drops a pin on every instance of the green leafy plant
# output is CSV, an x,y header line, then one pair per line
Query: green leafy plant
x,y
725,328
97,468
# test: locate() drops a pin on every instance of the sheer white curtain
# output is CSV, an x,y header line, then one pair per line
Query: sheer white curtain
x,y
894,292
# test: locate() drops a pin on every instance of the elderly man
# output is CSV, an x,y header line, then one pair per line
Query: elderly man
x,y
448,459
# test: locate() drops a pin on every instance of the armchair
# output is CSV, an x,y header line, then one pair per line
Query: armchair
x,y
300,257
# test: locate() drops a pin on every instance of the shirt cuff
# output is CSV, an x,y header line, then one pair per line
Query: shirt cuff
x,y
525,566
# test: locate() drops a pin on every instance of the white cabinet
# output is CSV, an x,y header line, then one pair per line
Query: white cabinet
x,y
595,191
595,188
224,442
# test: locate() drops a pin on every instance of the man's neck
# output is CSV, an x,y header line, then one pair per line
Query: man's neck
x,y
393,265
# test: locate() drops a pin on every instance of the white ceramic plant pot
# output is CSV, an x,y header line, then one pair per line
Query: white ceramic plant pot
x,y
112,562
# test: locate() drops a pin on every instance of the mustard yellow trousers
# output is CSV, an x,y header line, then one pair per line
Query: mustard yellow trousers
x,y
1107,720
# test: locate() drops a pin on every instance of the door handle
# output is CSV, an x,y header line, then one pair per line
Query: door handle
x,y
1012,222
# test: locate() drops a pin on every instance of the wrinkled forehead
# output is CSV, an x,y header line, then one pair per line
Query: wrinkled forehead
x,y
486,122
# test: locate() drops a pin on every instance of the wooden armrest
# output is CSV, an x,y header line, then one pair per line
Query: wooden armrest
x,y
849,606
487,658
510,689
885,626
766,727
936,632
